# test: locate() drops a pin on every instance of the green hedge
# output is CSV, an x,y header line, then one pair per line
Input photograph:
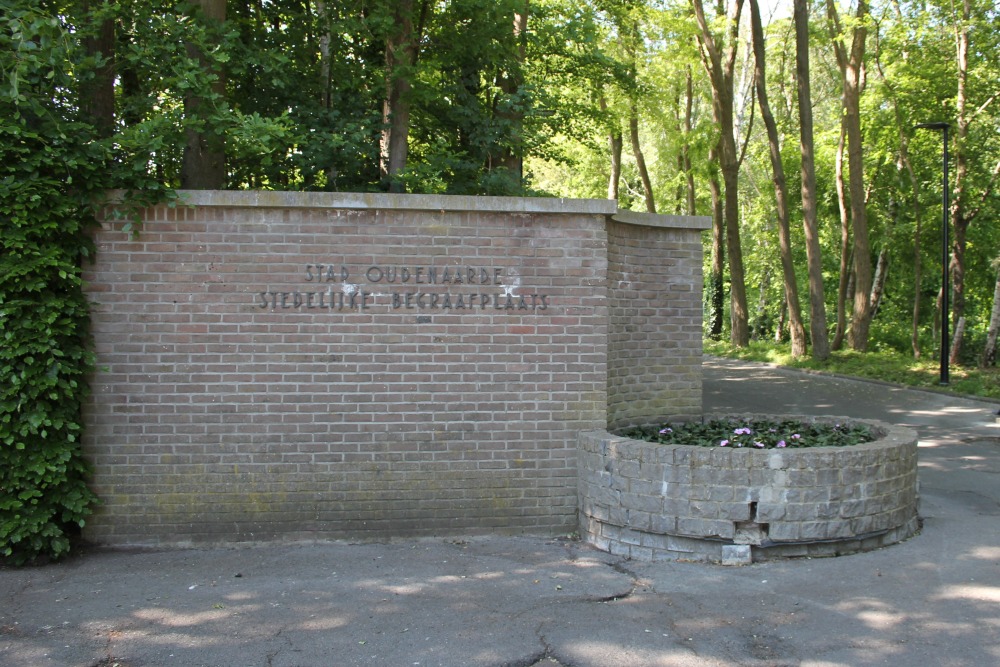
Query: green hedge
x,y
50,167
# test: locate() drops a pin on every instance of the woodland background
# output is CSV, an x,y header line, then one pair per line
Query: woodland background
x,y
666,105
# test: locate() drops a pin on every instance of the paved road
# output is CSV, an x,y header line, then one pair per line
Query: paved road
x,y
530,601
734,386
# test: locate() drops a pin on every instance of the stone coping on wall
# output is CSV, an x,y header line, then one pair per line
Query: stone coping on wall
x,y
663,221
651,501
416,202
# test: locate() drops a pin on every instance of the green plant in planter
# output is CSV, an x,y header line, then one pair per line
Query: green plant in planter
x,y
759,433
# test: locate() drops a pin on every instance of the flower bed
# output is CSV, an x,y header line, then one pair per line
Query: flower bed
x,y
651,501
757,432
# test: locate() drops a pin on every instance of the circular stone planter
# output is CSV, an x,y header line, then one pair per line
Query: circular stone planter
x,y
650,501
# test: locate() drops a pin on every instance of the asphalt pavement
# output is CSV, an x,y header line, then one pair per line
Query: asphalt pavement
x,y
550,601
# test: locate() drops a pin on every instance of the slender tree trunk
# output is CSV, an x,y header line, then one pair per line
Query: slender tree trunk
x,y
963,212
324,24
679,187
917,276
878,282
717,287
845,242
959,220
760,327
904,158
640,161
797,329
98,94
720,67
615,145
510,82
989,358
956,341
326,85
401,50
852,71
817,304
615,150
688,115
685,176
779,330
204,162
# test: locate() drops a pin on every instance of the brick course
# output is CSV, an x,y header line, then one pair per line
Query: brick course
x,y
244,393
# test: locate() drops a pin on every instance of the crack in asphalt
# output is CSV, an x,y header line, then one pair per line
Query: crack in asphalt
x,y
288,644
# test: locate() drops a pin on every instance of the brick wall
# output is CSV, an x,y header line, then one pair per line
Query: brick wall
x,y
654,319
296,366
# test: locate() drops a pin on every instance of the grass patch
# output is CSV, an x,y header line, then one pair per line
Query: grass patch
x,y
887,366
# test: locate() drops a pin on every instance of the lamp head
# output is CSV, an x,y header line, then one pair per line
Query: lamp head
x,y
933,126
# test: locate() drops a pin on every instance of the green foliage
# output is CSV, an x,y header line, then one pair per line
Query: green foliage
x,y
54,173
46,162
761,433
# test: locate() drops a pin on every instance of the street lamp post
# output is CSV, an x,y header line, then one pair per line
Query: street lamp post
x,y
945,287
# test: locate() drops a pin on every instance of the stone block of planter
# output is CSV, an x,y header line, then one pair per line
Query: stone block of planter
x,y
654,501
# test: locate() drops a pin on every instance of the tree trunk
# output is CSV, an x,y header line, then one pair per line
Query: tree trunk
x,y
326,84
760,326
990,350
510,83
852,72
98,93
956,341
720,67
903,164
817,305
878,282
716,285
204,163
615,145
845,243
962,211
640,161
959,220
688,115
904,157
797,329
401,50
779,330
679,187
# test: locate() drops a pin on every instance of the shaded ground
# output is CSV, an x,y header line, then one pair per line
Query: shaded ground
x,y
523,601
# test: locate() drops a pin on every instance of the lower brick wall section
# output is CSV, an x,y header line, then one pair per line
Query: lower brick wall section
x,y
323,366
650,501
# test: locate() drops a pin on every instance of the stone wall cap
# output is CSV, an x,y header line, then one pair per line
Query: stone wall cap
x,y
391,201
663,221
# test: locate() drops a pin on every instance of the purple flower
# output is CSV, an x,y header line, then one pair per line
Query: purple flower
x,y
742,431
781,443
666,430
758,444
795,436
723,443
